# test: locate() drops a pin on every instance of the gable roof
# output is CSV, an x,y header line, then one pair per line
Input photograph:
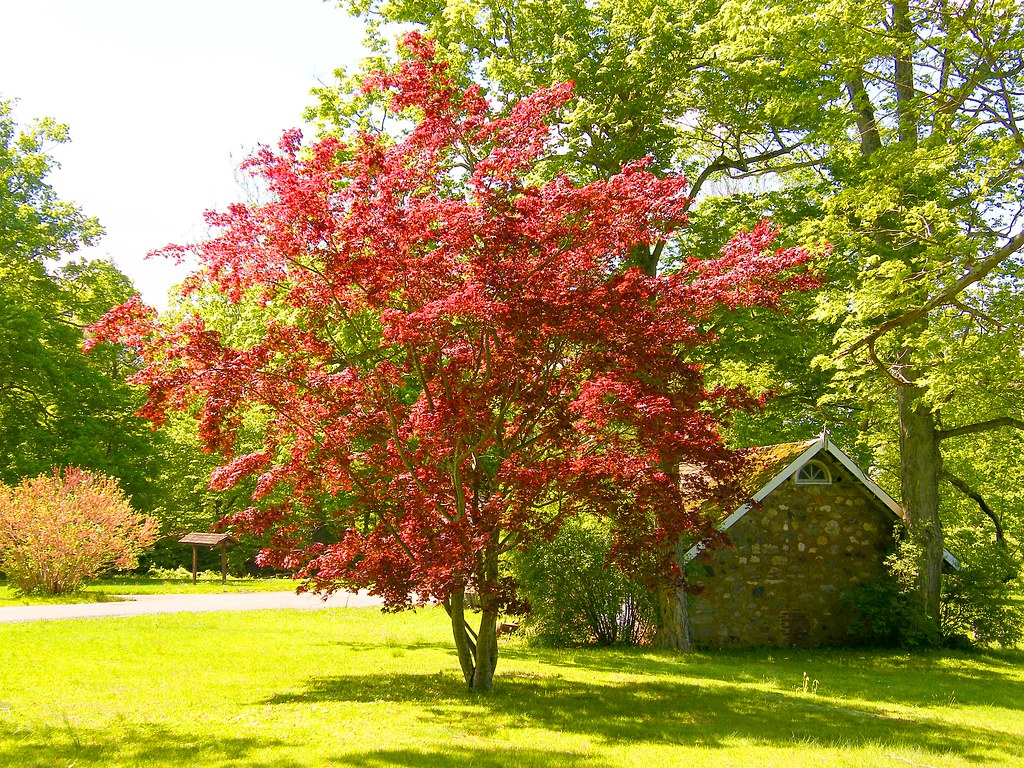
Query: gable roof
x,y
207,539
772,465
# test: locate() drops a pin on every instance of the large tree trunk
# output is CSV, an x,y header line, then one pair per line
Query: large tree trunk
x,y
674,629
674,613
920,467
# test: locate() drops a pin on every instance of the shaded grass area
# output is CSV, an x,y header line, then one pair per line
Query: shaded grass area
x,y
106,589
357,688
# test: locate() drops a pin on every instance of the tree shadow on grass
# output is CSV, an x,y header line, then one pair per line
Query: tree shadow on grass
x,y
924,678
658,711
395,644
126,744
465,757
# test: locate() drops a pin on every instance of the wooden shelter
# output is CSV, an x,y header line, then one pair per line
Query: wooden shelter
x,y
209,540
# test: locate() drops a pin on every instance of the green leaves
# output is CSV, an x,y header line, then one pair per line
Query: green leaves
x,y
57,406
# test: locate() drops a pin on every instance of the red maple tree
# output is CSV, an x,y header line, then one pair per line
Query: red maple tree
x,y
457,360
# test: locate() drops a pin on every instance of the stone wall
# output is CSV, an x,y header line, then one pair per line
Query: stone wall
x,y
779,579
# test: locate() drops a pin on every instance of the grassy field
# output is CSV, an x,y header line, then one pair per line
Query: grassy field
x,y
357,688
101,590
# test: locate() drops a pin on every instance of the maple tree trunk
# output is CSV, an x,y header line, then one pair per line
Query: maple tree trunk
x,y
487,636
486,652
645,257
674,613
465,645
920,467
477,651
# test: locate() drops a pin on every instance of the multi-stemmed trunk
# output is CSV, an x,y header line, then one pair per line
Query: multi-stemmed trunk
x,y
477,648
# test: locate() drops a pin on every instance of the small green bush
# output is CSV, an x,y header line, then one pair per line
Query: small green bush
x,y
180,573
885,611
576,596
977,607
978,601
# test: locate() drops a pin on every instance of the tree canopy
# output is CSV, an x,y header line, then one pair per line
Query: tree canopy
x,y
57,407
453,359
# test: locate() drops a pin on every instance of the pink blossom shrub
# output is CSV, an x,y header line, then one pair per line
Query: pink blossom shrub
x,y
58,530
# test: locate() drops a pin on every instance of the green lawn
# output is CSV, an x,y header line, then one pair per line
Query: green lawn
x,y
101,590
353,687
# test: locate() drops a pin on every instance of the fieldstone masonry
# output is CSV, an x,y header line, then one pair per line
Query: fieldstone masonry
x,y
779,581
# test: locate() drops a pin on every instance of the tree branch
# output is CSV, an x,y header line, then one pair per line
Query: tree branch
x,y
981,426
979,272
723,163
899,381
867,127
986,510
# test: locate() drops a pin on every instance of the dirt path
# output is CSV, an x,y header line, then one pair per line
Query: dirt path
x,y
138,605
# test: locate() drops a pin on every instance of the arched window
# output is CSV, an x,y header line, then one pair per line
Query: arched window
x,y
813,473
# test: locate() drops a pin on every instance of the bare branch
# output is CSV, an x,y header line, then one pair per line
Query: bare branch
x,y
986,510
723,163
899,381
977,313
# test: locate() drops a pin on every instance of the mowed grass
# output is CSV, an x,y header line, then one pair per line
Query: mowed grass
x,y
353,687
104,590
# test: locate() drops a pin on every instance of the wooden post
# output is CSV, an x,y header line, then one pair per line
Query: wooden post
x,y
223,563
195,558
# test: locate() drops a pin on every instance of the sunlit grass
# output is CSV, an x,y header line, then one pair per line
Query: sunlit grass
x,y
357,688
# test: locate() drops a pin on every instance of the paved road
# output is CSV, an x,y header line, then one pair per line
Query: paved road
x,y
137,605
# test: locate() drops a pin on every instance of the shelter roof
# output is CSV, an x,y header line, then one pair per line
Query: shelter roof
x,y
206,539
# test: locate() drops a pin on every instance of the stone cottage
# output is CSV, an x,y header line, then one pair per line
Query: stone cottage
x,y
815,526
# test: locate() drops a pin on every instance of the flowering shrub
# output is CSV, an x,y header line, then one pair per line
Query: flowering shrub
x,y
58,530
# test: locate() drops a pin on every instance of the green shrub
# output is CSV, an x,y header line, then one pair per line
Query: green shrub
x,y
977,607
886,611
181,574
883,613
576,596
978,601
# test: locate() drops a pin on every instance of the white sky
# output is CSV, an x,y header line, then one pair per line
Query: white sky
x,y
164,100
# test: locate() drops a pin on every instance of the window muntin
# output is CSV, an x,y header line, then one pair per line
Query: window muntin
x,y
813,473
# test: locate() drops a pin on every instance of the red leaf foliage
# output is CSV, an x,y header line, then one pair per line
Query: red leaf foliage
x,y
464,361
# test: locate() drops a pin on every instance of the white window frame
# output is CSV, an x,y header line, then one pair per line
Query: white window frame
x,y
799,479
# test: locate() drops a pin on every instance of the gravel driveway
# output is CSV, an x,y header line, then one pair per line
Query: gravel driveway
x,y
137,605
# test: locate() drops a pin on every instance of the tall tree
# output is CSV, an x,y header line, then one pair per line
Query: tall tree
x,y
890,129
56,406
925,195
452,361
